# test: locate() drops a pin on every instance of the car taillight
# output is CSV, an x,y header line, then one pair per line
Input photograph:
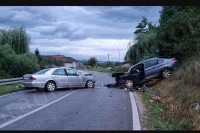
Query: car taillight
x,y
31,78
174,60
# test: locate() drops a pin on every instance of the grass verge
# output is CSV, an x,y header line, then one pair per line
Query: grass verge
x,y
4,89
156,114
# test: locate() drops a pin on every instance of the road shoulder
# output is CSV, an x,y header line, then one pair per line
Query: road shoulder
x,y
141,110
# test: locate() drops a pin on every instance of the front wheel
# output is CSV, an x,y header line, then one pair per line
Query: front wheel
x,y
129,83
166,73
89,84
50,86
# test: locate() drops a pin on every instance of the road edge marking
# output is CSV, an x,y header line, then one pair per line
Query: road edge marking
x,y
135,114
33,111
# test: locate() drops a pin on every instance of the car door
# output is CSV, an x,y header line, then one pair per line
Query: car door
x,y
135,73
74,79
151,69
60,76
159,67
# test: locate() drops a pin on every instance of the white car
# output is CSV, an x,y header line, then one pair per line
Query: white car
x,y
55,78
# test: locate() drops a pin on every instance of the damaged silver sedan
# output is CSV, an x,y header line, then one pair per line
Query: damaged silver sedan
x,y
54,78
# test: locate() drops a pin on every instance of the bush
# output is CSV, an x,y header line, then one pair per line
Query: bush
x,y
181,93
14,64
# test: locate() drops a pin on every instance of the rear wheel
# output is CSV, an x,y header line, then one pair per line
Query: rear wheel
x,y
89,84
50,86
129,83
166,73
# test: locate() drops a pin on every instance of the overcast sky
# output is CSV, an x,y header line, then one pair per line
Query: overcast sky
x,y
80,32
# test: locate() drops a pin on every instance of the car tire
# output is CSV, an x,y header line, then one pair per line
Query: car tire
x,y
50,86
128,83
166,73
89,84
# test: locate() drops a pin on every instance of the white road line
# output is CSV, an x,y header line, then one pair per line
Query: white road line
x,y
29,113
135,115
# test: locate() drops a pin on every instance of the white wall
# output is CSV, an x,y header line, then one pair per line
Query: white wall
x,y
70,64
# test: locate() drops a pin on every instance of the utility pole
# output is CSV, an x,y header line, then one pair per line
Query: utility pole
x,y
108,57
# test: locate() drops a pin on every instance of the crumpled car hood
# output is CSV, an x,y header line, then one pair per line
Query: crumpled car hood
x,y
83,73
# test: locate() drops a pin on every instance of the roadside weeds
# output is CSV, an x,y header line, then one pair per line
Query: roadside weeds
x,y
5,89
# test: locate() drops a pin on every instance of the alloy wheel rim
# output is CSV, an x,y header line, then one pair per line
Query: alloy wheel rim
x,y
129,83
51,86
90,83
166,73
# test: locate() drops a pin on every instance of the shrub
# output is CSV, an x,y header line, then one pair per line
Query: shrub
x,y
14,64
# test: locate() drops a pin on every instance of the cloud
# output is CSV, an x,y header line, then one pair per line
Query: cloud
x,y
78,28
83,49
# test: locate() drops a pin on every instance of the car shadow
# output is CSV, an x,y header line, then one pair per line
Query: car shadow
x,y
58,90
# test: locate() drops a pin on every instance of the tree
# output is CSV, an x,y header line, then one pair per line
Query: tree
x,y
109,64
40,59
141,26
17,38
92,61
145,45
176,36
37,53
179,31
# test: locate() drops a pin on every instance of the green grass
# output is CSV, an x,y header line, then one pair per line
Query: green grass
x,y
156,119
4,89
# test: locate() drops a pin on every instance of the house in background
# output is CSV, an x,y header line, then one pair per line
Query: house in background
x,y
58,57
71,62
67,61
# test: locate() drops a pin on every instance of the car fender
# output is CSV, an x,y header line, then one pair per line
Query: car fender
x,y
166,68
52,81
86,78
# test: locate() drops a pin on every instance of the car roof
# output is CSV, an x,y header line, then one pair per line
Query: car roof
x,y
53,69
149,59
144,61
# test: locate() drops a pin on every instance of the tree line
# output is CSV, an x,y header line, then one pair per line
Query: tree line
x,y
177,35
15,58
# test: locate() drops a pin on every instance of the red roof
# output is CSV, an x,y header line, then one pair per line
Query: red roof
x,y
58,57
64,59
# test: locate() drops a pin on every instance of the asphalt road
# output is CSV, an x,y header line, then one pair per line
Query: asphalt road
x,y
98,108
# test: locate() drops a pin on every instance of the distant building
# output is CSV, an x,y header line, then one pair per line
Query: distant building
x,y
58,57
71,62
68,61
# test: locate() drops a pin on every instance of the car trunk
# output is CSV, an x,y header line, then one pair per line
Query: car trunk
x,y
27,77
